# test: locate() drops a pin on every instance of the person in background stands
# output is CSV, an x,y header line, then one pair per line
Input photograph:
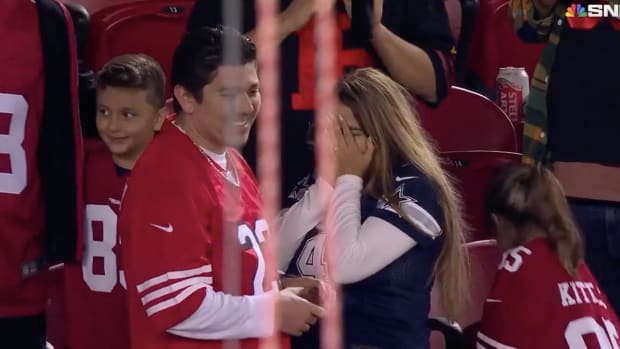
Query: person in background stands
x,y
572,122
40,163
409,39
192,206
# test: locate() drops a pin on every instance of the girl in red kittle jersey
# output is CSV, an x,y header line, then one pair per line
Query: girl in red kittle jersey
x,y
544,295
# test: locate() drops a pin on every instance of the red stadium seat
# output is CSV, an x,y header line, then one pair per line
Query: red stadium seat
x,y
131,27
466,120
484,257
472,172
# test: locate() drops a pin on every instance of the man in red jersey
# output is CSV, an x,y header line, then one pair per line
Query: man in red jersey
x,y
39,162
130,109
192,206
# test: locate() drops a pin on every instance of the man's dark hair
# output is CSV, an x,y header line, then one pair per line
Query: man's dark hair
x,y
201,53
136,71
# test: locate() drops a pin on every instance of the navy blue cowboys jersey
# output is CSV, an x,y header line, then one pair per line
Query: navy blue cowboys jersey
x,y
388,309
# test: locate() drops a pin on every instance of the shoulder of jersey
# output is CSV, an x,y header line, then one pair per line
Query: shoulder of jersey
x,y
301,188
409,181
535,257
163,152
408,173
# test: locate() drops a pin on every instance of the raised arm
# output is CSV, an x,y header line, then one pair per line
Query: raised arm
x,y
419,51
209,13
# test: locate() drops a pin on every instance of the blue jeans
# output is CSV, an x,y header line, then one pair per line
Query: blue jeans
x,y
599,222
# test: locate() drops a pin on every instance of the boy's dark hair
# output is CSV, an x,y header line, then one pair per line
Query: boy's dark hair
x,y
137,71
201,53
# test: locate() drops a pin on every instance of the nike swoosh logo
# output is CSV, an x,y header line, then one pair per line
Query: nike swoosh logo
x,y
167,229
400,179
113,201
491,300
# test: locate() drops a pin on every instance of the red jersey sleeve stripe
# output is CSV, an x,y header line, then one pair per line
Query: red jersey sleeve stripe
x,y
175,300
181,274
493,343
166,290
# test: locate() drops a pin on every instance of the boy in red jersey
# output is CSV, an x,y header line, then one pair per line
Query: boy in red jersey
x,y
544,295
130,110
192,206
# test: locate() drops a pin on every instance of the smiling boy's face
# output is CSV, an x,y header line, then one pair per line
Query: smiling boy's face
x,y
126,122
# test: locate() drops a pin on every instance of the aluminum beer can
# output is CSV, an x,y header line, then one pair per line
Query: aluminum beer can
x,y
513,89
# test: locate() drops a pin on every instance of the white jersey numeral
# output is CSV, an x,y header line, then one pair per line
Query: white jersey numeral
x,y
607,337
11,144
256,238
513,259
311,260
101,249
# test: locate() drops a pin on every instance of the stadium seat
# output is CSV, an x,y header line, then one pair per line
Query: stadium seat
x,y
484,257
472,171
466,120
81,22
130,27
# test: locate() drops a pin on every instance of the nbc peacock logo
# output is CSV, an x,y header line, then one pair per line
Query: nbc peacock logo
x,y
576,10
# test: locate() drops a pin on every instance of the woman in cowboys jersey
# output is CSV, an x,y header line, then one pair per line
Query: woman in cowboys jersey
x,y
397,220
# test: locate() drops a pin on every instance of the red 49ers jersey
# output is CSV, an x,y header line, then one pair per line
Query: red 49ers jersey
x,y
534,303
178,229
95,290
22,209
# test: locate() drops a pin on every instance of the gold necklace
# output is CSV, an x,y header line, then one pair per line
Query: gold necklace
x,y
226,174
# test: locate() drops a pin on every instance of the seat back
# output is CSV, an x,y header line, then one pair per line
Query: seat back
x,y
484,257
467,120
472,172
131,27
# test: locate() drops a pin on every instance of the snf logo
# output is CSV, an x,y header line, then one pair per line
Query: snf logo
x,y
593,10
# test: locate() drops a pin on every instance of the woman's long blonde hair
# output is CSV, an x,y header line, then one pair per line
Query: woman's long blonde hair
x,y
385,112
